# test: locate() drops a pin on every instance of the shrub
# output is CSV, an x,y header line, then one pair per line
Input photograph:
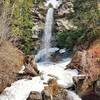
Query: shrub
x,y
67,39
22,24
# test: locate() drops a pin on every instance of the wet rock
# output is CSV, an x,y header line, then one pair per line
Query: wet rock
x,y
53,91
61,95
76,61
30,66
35,96
23,76
11,61
30,71
55,57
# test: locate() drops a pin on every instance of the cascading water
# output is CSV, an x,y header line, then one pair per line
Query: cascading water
x,y
46,41
48,31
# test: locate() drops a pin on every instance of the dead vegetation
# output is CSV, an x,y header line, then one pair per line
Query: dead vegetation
x,y
11,60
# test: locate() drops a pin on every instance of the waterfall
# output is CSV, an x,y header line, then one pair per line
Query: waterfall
x,y
44,54
48,30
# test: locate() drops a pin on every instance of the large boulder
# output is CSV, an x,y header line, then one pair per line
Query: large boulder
x,y
11,61
88,63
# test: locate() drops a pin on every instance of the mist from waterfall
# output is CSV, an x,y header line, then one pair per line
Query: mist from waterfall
x,y
46,41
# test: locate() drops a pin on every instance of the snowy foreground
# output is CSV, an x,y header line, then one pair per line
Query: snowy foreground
x,y
21,89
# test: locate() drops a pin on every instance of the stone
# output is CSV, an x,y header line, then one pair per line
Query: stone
x,y
53,91
87,63
30,66
35,96
55,57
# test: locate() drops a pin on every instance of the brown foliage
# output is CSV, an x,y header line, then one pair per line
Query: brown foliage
x,y
11,60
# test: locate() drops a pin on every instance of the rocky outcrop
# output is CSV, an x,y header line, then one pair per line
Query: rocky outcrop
x,y
61,19
61,14
30,66
53,91
35,96
11,61
88,63
29,69
38,15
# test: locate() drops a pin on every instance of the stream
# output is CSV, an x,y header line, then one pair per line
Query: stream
x,y
21,89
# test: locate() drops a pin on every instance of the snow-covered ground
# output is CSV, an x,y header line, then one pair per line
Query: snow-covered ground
x,y
21,89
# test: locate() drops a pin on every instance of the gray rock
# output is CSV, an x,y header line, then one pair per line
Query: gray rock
x,y
35,96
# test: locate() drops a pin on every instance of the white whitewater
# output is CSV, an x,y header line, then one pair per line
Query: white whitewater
x,y
46,42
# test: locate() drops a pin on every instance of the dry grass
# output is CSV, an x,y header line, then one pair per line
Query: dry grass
x,y
11,60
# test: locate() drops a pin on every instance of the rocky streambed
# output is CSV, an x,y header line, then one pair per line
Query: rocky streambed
x,y
60,80
52,81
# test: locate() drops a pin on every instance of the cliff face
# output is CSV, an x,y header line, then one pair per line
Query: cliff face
x,y
11,60
88,63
